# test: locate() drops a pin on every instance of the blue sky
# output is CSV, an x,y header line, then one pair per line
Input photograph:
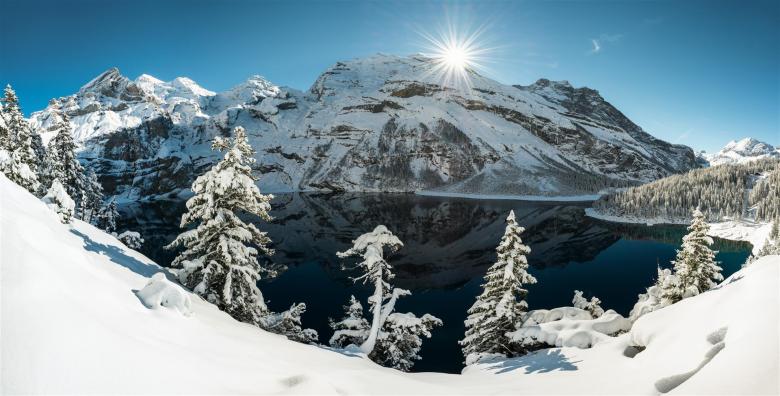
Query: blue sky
x,y
692,72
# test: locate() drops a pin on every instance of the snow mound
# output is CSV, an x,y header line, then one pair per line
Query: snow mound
x,y
569,327
160,292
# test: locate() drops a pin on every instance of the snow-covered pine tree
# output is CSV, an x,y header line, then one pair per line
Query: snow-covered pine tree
x,y
399,342
593,306
92,198
370,246
61,162
57,199
502,302
393,339
694,267
18,160
108,217
131,239
352,329
219,261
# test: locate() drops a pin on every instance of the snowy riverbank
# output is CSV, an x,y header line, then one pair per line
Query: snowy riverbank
x,y
736,230
79,315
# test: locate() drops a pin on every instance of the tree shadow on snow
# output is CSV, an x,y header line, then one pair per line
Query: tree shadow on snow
x,y
118,256
543,361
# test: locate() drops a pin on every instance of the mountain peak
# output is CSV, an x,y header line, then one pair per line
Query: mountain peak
x,y
109,79
744,150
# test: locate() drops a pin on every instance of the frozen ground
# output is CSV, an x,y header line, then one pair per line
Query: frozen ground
x,y
74,321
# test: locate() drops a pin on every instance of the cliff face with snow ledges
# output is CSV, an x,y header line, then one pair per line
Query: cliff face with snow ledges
x,y
382,123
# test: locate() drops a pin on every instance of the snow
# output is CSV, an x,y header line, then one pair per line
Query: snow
x,y
755,233
160,292
742,151
71,323
570,327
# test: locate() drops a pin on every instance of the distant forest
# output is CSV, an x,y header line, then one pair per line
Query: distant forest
x,y
748,191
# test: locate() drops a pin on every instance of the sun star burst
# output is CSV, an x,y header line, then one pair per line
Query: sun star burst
x,y
456,56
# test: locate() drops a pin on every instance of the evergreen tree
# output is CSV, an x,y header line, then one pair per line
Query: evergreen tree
x,y
393,339
219,261
61,162
92,198
694,267
108,217
370,246
20,132
501,304
352,329
17,157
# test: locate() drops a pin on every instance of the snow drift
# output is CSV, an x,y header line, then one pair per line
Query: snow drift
x,y
73,323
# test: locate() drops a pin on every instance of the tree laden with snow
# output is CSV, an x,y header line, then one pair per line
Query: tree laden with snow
x,y
131,239
108,217
57,200
500,306
593,306
18,159
393,339
352,329
92,198
695,268
400,340
61,162
220,257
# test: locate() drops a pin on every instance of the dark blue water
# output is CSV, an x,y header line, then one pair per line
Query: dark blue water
x,y
449,243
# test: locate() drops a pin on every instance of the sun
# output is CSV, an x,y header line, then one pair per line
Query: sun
x,y
456,56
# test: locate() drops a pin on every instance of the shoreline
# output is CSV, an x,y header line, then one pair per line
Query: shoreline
x,y
530,198
734,230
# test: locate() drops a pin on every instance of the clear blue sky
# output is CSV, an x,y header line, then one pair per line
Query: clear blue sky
x,y
693,72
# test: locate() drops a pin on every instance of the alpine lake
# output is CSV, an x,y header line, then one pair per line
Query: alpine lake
x,y
448,245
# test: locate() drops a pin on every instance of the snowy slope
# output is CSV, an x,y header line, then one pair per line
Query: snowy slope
x,y
382,123
72,323
745,150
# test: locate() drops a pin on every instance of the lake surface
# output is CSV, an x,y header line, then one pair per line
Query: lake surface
x,y
448,245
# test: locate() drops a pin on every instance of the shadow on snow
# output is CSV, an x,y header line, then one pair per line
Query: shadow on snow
x,y
543,361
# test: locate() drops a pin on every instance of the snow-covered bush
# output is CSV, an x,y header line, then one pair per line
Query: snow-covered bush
x,y
131,239
502,302
593,306
400,340
288,323
653,298
392,339
160,292
219,260
352,329
58,200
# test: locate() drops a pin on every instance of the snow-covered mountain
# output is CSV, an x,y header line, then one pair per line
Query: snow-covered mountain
x,y
745,150
383,123
83,313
